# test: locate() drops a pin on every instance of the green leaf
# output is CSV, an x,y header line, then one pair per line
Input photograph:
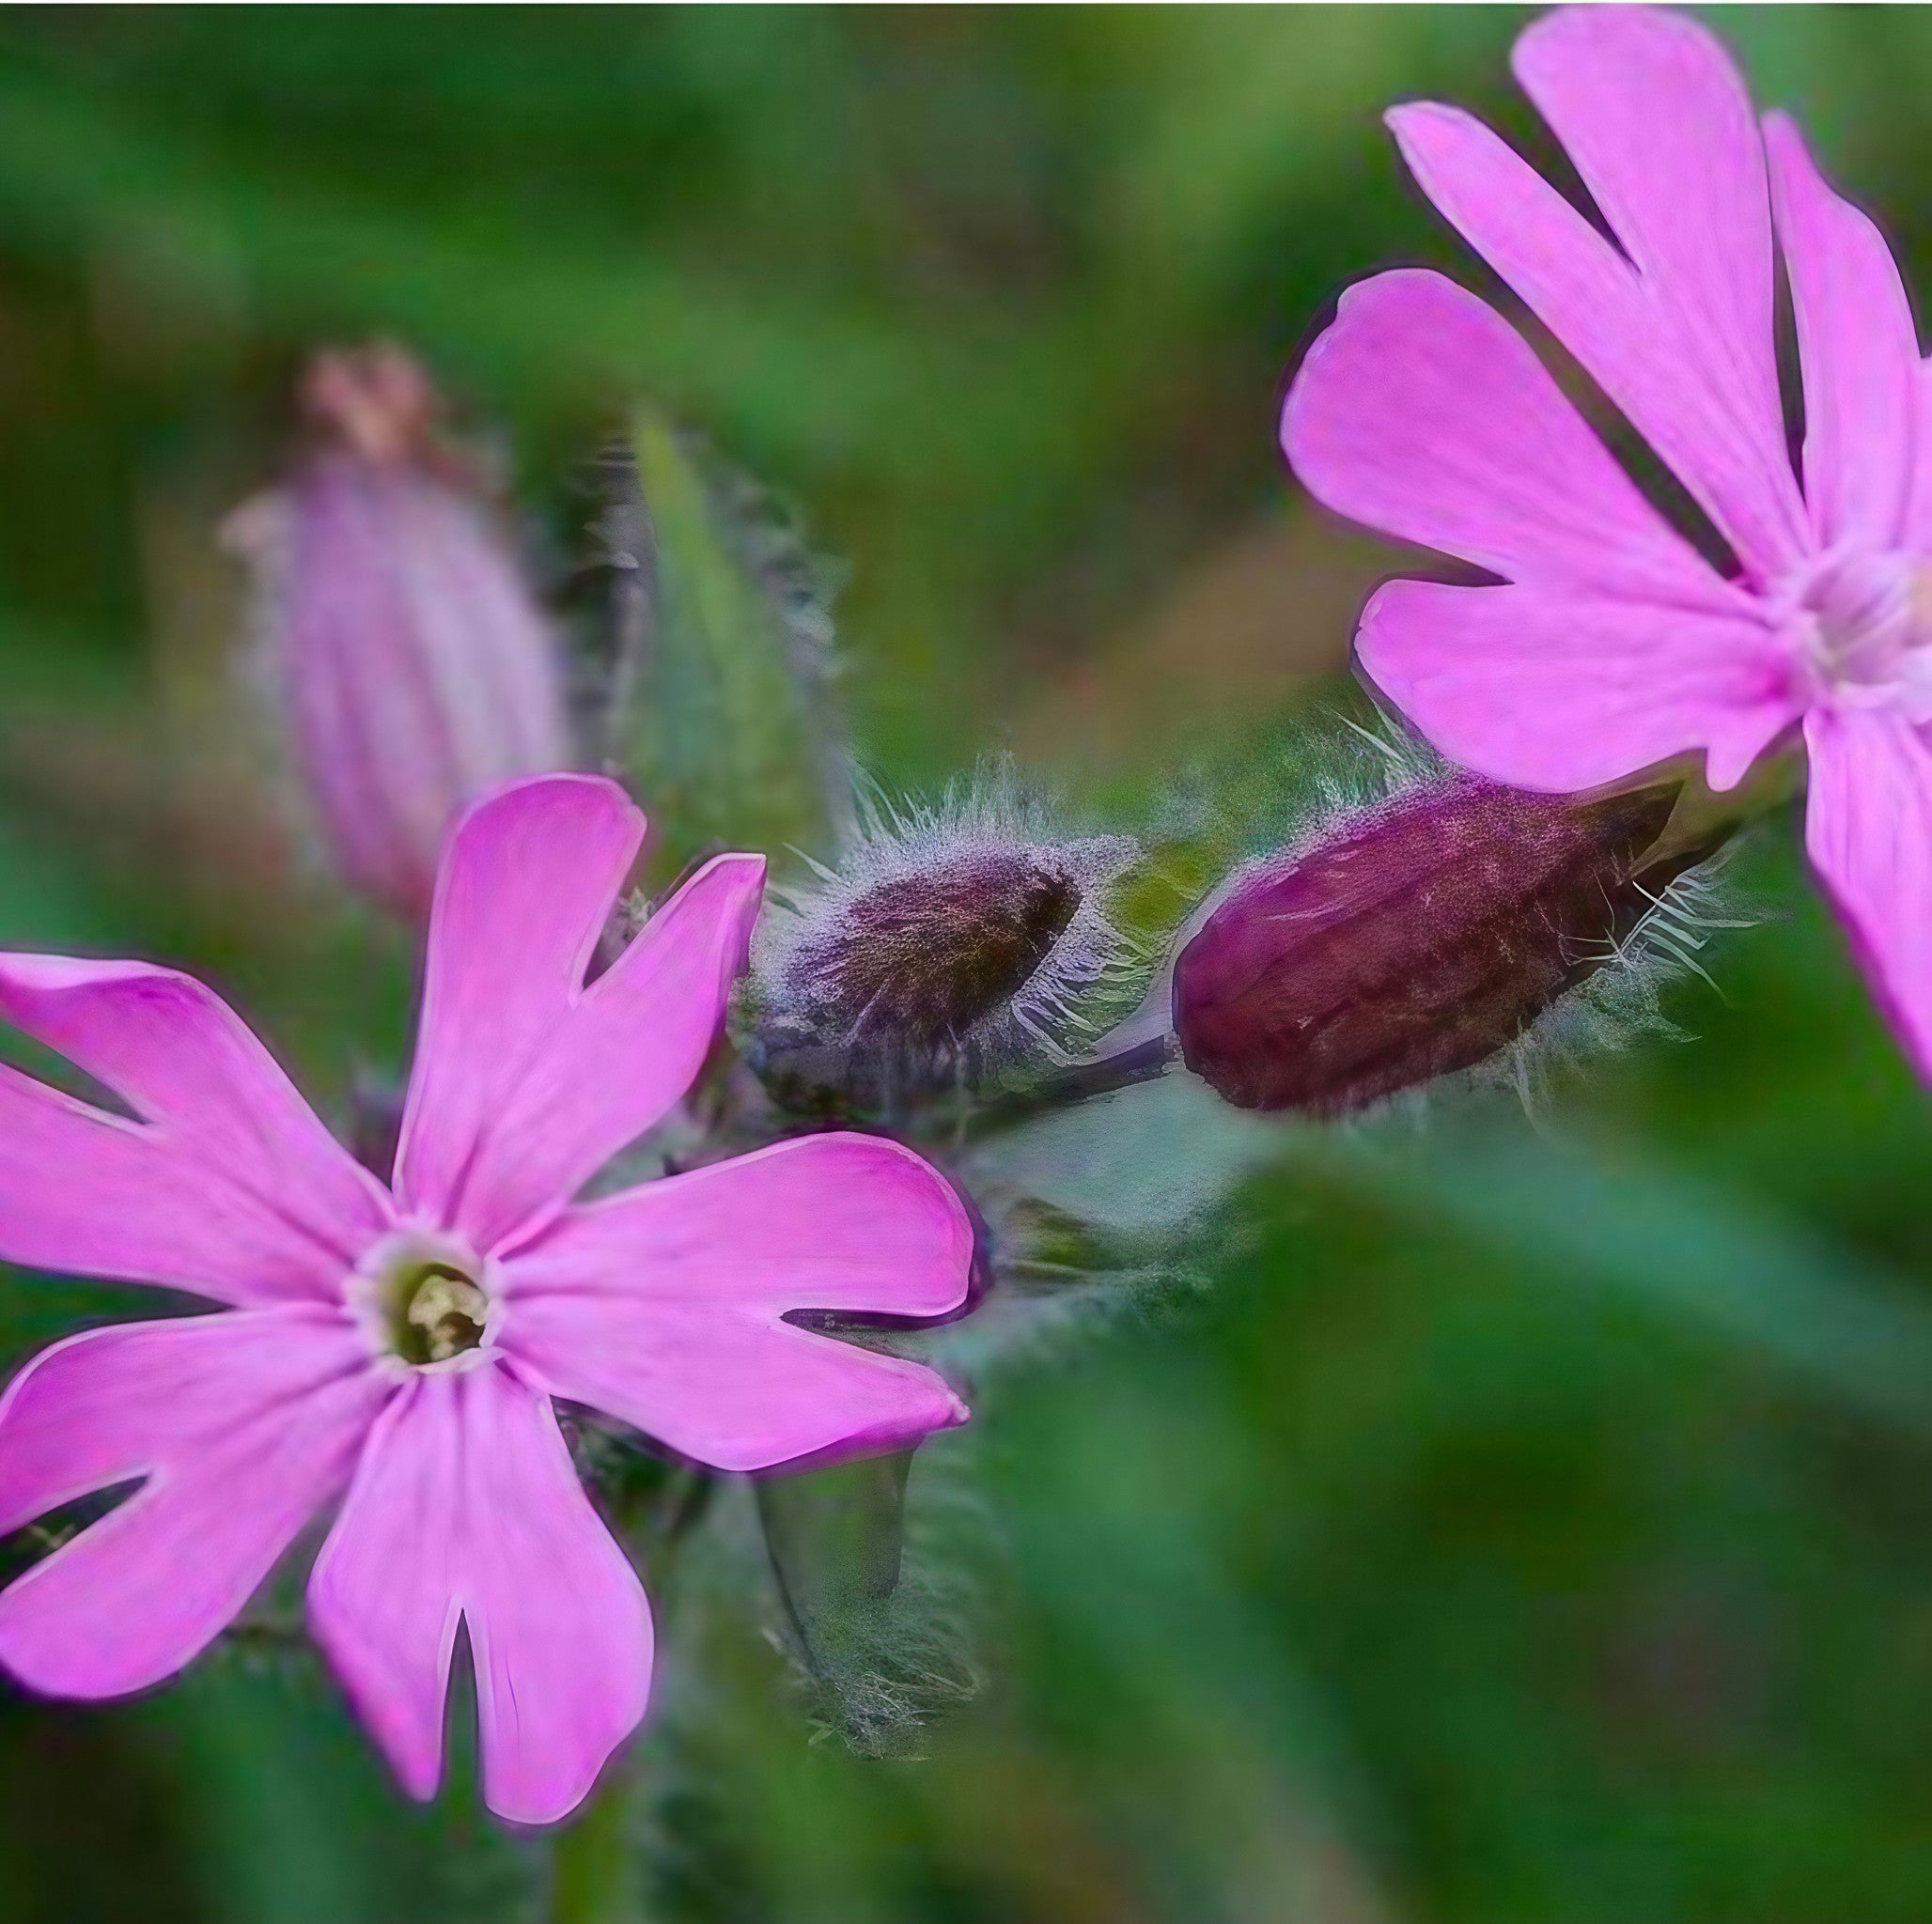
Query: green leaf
x,y
1156,1157
723,718
836,1538
873,1638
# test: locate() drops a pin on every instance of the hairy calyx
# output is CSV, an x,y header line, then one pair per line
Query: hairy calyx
x,y
1411,939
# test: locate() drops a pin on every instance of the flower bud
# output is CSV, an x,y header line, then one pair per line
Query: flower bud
x,y
411,664
1419,936
923,957
942,953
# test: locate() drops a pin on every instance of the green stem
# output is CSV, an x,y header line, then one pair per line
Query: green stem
x,y
1067,1088
595,1864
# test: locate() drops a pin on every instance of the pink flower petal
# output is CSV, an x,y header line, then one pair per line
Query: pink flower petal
x,y
244,1425
527,1082
727,1388
1653,115
1859,347
1567,691
228,1186
1423,413
1917,533
664,1307
1731,458
466,1508
529,880
838,1221
1868,829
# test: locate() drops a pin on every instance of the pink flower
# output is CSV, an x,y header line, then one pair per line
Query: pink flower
x,y
414,667
397,1348
1611,643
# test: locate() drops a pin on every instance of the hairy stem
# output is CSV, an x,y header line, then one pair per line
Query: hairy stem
x,y
1082,1082
597,1862
596,1870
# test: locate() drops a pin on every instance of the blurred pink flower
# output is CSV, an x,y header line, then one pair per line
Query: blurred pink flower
x,y
402,1344
1611,643
412,663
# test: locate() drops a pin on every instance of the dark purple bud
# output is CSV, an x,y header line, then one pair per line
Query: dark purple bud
x,y
412,665
940,959
923,957
1421,935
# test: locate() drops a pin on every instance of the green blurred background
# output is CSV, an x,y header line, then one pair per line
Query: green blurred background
x,y
1532,1524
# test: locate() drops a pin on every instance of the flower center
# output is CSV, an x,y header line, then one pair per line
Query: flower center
x,y
1861,622
426,1302
443,1314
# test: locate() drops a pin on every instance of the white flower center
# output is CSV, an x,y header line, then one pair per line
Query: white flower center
x,y
1860,621
424,1302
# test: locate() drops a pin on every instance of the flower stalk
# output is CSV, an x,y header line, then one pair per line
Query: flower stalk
x,y
597,1872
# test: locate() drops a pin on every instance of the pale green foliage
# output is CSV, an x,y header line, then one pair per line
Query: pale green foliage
x,y
723,728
